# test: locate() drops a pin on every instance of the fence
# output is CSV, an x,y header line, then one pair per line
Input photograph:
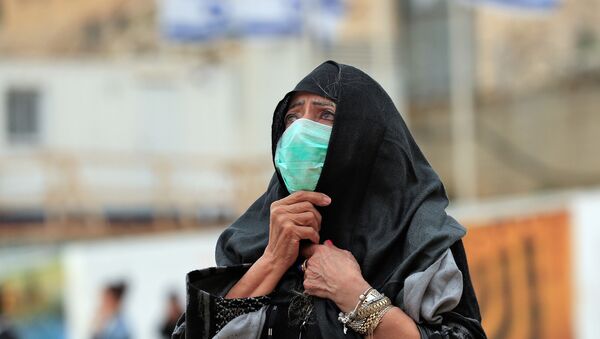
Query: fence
x,y
100,189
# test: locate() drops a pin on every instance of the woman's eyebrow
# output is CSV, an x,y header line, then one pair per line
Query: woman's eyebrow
x,y
296,103
323,103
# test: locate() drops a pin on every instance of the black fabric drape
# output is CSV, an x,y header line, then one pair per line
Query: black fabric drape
x,y
388,204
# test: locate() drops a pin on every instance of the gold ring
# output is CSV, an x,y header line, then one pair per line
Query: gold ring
x,y
303,266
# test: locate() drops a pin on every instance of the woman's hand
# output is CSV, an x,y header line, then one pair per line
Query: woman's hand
x,y
293,219
334,274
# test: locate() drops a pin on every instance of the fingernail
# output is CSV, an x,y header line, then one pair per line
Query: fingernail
x,y
326,198
329,242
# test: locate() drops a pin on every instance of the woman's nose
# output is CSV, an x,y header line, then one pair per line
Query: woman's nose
x,y
307,113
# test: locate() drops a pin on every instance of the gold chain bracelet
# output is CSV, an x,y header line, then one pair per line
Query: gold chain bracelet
x,y
367,314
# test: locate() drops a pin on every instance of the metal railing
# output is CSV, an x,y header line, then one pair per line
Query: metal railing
x,y
102,189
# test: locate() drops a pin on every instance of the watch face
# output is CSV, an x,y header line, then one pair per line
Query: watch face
x,y
372,296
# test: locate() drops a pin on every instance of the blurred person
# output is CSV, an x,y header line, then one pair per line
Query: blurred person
x,y
351,238
110,322
6,329
174,311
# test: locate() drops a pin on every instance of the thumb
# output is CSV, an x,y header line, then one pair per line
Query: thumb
x,y
329,243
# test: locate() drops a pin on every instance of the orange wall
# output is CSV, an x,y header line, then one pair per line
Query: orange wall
x,y
521,272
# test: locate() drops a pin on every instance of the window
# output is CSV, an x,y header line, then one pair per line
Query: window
x,y
23,116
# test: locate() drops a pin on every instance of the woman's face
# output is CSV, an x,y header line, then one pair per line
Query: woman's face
x,y
310,106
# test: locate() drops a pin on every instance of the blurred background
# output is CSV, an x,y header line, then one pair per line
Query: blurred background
x,y
133,131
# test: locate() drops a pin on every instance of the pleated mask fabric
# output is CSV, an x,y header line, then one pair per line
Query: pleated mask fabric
x,y
300,154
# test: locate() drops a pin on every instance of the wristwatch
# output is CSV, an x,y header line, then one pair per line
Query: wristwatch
x,y
372,296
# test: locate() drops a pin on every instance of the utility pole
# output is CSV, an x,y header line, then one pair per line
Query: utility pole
x,y
462,99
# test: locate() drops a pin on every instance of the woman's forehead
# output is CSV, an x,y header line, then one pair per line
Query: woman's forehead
x,y
301,96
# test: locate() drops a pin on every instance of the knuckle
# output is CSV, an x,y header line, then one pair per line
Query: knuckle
x,y
300,219
309,219
286,227
293,232
283,219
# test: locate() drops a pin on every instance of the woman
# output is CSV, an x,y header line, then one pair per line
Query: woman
x,y
350,239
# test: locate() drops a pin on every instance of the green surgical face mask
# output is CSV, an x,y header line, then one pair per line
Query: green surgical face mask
x,y
300,154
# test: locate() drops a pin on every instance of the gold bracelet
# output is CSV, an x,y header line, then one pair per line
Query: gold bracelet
x,y
373,307
380,315
345,318
367,326
370,316
367,313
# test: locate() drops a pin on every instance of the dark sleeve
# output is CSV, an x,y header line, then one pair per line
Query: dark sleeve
x,y
207,311
464,321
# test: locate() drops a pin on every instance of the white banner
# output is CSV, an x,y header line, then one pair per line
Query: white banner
x,y
518,4
586,258
200,20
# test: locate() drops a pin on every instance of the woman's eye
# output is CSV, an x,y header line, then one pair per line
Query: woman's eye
x,y
327,115
290,118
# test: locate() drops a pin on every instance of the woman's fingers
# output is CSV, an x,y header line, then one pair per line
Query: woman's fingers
x,y
306,219
307,233
316,198
309,250
302,207
313,288
301,214
334,274
294,218
299,207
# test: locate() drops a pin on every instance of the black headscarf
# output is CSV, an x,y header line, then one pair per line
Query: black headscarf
x,y
388,204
